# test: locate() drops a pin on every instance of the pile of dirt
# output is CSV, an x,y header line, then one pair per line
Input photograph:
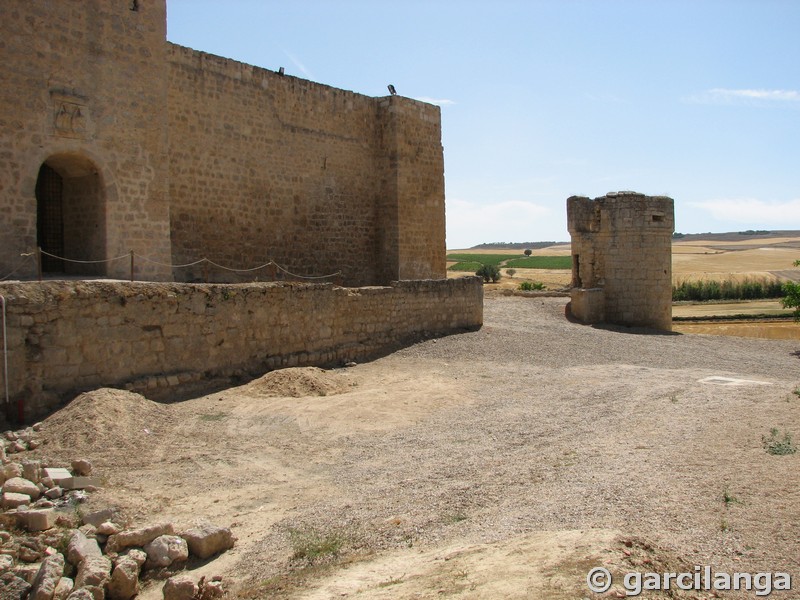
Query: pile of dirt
x,y
106,420
299,382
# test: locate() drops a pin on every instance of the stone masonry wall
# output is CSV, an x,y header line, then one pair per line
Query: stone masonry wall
x,y
67,337
84,84
622,246
269,167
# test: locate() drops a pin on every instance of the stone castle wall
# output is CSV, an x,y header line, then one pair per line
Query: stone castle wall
x,y
177,155
83,88
622,259
67,337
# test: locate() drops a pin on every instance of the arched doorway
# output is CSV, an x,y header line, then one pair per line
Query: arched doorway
x,y
71,219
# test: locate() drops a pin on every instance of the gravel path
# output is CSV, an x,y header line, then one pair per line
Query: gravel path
x,y
561,426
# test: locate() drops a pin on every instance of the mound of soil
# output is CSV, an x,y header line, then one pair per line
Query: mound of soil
x,y
105,419
298,382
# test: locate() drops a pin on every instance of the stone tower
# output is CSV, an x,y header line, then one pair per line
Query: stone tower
x,y
622,259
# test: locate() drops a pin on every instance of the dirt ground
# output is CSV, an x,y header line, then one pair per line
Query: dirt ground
x,y
503,463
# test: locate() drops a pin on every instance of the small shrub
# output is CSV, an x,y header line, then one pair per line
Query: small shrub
x,y
529,286
777,445
489,272
310,544
511,272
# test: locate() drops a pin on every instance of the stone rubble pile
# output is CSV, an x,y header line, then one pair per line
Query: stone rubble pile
x,y
48,551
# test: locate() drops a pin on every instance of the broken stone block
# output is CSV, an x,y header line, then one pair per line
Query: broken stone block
x,y
136,554
44,586
80,483
6,562
63,588
54,492
81,594
108,528
166,550
11,470
36,520
93,571
20,485
13,587
138,537
124,583
80,547
180,587
208,540
82,467
32,470
99,517
13,500
56,474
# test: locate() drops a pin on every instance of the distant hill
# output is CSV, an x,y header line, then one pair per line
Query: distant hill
x,y
515,245
735,236
731,236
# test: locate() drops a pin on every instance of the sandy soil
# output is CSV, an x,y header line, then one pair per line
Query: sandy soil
x,y
503,463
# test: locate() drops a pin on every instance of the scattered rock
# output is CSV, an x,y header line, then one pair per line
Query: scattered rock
x,y
63,588
36,520
166,550
180,587
11,470
81,594
108,528
14,500
82,466
99,517
94,570
138,537
6,563
208,540
124,583
210,590
20,485
32,470
13,587
54,492
44,586
80,547
138,555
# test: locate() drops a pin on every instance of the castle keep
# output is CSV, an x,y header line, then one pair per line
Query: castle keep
x,y
113,140
622,259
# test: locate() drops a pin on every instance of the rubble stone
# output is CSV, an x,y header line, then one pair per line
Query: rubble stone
x,y
81,466
166,550
180,587
209,540
63,588
50,573
124,583
20,485
81,594
13,587
94,570
13,500
138,537
80,547
37,520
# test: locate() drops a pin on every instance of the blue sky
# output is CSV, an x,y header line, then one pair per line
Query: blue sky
x,y
541,100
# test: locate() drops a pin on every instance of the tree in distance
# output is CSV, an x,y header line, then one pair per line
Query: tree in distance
x,y
792,291
489,272
528,251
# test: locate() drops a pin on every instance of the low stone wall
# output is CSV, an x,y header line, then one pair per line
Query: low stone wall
x,y
67,337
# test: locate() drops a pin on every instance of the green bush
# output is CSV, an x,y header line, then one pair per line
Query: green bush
x,y
777,445
529,286
709,289
489,272
792,297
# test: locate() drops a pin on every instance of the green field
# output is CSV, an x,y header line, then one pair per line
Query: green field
x,y
471,262
481,259
541,262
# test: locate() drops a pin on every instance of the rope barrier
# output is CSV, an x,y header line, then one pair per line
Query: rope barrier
x,y
22,264
131,255
84,262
